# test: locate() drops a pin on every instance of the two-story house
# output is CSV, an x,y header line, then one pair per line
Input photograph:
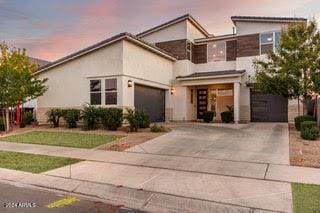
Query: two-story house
x,y
174,71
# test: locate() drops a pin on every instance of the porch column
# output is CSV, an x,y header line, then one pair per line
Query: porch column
x,y
236,101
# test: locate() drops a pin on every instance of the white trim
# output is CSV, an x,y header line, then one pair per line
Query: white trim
x,y
209,77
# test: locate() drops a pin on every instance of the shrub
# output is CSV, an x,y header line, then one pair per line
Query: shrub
x,y
90,116
22,124
133,120
299,119
226,116
111,118
2,126
157,128
143,119
71,116
208,116
53,116
307,125
310,133
27,117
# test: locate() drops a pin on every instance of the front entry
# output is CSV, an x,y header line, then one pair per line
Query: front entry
x,y
202,102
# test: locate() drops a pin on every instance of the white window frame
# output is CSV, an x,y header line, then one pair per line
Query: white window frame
x,y
273,42
225,51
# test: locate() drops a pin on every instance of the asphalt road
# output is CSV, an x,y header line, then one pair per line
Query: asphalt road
x,y
18,199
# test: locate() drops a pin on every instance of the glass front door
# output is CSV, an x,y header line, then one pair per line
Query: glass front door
x,y
202,102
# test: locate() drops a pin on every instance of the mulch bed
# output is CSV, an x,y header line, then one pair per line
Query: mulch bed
x,y
303,152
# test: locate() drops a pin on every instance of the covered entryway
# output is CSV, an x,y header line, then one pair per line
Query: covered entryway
x,y
151,100
268,107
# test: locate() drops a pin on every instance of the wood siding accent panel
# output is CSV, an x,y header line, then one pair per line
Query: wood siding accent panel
x,y
231,50
178,48
199,54
248,45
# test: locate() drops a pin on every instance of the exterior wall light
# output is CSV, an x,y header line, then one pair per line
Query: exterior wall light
x,y
172,91
129,83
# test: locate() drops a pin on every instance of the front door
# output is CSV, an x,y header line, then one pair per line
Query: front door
x,y
202,102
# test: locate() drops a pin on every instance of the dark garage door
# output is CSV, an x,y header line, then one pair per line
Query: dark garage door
x,y
151,100
268,107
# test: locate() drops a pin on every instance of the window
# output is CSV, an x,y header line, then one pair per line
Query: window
x,y
225,92
269,42
111,91
95,92
189,50
217,51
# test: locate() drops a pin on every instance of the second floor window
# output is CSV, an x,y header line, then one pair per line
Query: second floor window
x,y
217,51
269,42
95,92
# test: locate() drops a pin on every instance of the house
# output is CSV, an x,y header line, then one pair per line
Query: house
x,y
174,71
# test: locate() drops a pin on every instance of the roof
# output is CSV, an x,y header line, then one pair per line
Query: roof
x,y
212,74
267,19
38,61
104,43
215,38
174,21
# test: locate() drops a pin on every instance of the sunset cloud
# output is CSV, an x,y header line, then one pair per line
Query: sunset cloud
x,y
53,29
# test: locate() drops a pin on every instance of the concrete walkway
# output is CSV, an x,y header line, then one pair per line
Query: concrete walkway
x,y
251,185
242,168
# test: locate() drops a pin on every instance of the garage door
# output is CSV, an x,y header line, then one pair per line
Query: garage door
x,y
268,107
151,100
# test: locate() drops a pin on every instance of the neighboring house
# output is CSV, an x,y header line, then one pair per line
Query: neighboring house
x,y
174,71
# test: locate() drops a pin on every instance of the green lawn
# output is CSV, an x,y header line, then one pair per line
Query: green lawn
x,y
306,198
32,163
66,139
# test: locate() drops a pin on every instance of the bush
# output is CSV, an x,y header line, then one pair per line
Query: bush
x,y
27,117
2,126
299,119
133,120
226,116
310,133
157,128
307,125
208,116
71,116
90,116
53,116
111,118
143,119
22,124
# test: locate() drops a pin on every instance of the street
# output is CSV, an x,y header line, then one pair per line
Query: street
x,y
18,199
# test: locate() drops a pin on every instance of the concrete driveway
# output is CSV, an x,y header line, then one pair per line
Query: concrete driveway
x,y
254,142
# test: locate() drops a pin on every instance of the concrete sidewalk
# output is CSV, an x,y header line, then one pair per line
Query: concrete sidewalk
x,y
139,199
262,171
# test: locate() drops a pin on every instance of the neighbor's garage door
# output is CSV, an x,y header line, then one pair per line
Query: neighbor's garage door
x,y
268,107
151,100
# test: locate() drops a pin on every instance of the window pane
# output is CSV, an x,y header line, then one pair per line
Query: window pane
x,y
266,38
111,84
95,98
225,92
277,39
95,85
216,51
111,98
266,48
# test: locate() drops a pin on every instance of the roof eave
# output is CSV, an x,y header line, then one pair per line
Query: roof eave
x,y
174,21
124,36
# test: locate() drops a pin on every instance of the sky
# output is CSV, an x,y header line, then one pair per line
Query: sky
x,y
51,29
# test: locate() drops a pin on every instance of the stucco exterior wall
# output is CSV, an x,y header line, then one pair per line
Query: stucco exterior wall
x,y
215,66
246,28
173,32
68,84
192,32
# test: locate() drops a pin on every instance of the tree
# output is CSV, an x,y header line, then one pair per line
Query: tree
x,y
17,82
293,70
